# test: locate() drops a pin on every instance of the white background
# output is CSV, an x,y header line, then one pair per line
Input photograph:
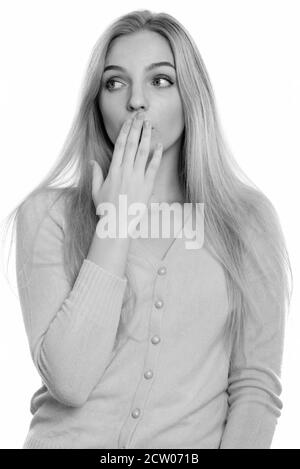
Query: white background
x,y
251,51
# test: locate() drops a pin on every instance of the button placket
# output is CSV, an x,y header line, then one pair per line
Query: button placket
x,y
151,359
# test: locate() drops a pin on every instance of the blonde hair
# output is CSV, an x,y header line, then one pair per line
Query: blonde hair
x,y
241,225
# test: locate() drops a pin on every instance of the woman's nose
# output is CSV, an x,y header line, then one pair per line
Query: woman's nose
x,y
137,99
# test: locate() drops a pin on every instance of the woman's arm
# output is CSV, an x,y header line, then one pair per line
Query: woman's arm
x,y
254,385
71,329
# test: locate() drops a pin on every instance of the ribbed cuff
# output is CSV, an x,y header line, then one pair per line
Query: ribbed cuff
x,y
33,443
96,287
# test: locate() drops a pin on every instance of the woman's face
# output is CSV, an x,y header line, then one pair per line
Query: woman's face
x,y
124,92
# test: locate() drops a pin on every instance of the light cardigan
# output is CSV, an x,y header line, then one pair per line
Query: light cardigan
x,y
166,380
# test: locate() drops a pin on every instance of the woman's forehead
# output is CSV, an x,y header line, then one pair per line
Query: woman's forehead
x,y
140,46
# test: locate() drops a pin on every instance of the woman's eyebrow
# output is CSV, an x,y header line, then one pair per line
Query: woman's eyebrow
x,y
150,67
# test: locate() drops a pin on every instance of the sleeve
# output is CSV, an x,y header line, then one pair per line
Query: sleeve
x,y
71,330
254,381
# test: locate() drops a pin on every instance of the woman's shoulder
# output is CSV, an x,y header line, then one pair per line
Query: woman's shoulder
x,y
263,236
45,205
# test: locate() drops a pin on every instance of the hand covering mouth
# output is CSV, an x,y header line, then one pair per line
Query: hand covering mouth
x,y
141,134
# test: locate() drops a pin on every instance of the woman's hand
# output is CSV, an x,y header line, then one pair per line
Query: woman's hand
x,y
127,173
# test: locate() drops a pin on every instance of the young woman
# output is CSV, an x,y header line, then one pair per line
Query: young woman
x,y
140,342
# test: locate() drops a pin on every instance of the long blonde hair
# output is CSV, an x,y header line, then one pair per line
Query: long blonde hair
x,y
241,225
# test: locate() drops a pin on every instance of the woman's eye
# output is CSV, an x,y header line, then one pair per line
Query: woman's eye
x,y
112,81
163,78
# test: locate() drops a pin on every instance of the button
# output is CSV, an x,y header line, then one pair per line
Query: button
x,y
162,270
148,374
155,339
159,304
136,413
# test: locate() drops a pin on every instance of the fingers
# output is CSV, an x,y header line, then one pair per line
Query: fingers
x,y
132,142
144,147
120,144
129,152
154,165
